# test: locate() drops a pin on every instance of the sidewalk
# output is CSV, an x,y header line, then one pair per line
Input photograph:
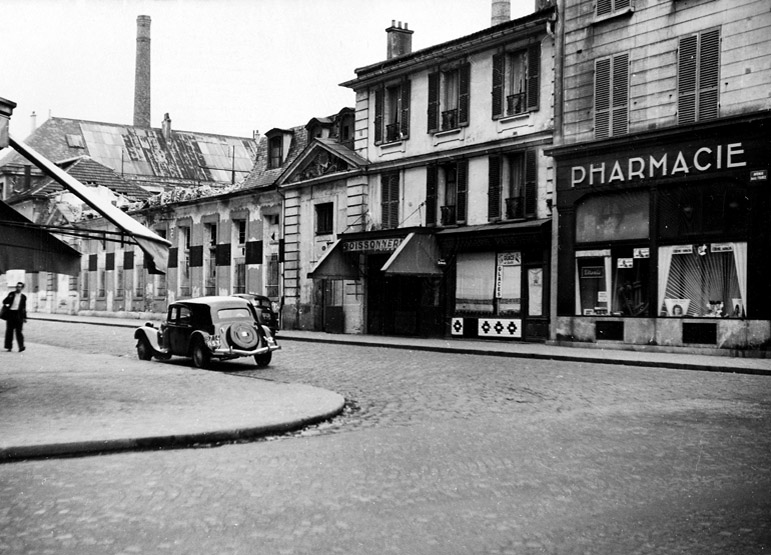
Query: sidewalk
x,y
60,402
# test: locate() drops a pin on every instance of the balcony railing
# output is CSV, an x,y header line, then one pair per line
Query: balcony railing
x,y
515,208
515,104
448,215
392,132
450,119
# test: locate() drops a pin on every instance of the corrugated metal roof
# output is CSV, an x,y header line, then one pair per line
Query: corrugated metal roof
x,y
144,153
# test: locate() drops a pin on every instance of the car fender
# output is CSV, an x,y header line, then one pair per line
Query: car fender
x,y
151,335
198,335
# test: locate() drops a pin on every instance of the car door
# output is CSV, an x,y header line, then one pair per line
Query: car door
x,y
178,330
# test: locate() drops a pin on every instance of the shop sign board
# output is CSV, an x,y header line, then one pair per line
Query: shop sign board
x,y
684,249
373,245
679,161
592,272
722,247
642,253
625,263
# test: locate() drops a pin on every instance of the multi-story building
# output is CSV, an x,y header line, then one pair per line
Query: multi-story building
x,y
662,173
449,230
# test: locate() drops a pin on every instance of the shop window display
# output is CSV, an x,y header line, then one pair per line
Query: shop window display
x,y
703,280
612,282
489,283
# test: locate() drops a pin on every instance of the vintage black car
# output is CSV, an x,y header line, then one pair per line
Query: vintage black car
x,y
266,315
208,328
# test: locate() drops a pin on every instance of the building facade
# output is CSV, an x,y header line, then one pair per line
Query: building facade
x,y
662,174
453,232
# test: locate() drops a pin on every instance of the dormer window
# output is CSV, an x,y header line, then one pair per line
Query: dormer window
x,y
275,152
279,141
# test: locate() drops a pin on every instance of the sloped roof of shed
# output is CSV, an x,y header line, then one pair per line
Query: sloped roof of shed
x,y
140,152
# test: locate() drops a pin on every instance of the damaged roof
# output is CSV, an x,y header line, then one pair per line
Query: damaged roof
x,y
91,172
146,154
261,175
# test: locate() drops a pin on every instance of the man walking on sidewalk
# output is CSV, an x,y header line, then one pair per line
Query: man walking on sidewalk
x,y
15,309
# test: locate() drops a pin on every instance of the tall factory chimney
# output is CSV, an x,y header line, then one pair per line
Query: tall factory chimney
x,y
142,75
501,12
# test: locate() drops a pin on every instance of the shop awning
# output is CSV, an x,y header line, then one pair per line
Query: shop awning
x,y
417,255
24,246
156,247
335,264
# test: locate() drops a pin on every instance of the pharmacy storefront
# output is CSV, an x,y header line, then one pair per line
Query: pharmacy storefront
x,y
664,238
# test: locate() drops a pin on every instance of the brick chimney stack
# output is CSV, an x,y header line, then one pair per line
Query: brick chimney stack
x,y
501,12
399,40
142,75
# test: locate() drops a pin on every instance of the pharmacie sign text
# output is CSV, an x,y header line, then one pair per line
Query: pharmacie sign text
x,y
697,159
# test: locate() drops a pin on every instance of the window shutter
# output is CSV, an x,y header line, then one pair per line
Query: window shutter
x,y
686,80
604,7
433,102
196,256
621,4
533,73
389,206
602,98
462,187
494,188
431,189
709,74
620,114
222,254
531,183
405,121
464,93
499,69
173,257
253,254
379,104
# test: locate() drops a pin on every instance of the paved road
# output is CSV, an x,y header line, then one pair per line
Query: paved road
x,y
441,454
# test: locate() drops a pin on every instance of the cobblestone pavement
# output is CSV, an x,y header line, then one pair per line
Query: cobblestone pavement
x,y
439,454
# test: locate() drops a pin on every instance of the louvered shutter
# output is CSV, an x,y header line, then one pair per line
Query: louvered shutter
x,y
531,183
462,188
494,188
709,74
431,190
405,121
379,105
464,93
620,110
686,80
621,4
390,200
533,75
602,98
499,70
433,102
604,7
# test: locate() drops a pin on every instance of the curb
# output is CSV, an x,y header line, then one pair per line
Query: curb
x,y
155,443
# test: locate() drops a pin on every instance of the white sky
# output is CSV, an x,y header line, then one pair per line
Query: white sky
x,y
218,66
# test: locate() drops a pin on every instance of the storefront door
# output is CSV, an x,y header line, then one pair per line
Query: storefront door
x,y
535,317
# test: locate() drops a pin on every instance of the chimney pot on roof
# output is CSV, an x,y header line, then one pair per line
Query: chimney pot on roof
x,y
399,40
166,126
33,122
142,73
501,12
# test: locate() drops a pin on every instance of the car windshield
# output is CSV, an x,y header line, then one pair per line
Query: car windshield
x,y
234,314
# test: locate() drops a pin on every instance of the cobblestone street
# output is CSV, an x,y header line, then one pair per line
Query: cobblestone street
x,y
437,454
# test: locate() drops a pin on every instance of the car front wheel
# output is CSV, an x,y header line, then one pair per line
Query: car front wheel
x,y
263,360
144,351
201,355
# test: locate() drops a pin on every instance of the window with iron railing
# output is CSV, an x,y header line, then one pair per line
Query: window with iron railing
x,y
450,119
449,96
516,81
449,215
446,191
392,112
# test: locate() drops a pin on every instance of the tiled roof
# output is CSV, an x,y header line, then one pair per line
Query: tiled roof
x,y
91,172
261,176
140,153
